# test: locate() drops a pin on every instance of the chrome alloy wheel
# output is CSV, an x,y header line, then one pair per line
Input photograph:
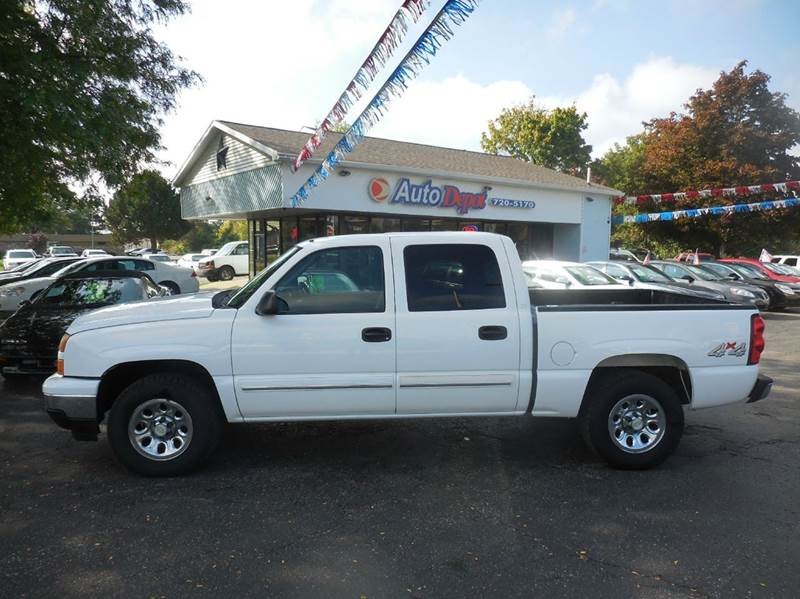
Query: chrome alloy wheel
x,y
637,423
160,429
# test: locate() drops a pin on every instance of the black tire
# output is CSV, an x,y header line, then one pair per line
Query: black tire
x,y
173,287
226,273
200,405
212,277
595,419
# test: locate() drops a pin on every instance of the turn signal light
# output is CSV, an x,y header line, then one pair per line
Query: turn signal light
x,y
757,343
62,345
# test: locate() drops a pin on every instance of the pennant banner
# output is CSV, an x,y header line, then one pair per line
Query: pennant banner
x,y
712,211
783,187
376,59
441,29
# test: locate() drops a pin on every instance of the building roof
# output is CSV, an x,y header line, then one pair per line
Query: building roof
x,y
400,154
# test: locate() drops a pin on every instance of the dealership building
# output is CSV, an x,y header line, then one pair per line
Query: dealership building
x,y
245,172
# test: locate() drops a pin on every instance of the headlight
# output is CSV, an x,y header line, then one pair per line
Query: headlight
x,y
742,292
11,291
784,289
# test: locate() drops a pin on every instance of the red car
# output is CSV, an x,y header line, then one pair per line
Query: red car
x,y
773,271
689,257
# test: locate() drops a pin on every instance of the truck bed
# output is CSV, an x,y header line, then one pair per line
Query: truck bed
x,y
623,299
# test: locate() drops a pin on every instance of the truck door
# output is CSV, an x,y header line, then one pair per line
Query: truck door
x,y
458,343
239,258
331,352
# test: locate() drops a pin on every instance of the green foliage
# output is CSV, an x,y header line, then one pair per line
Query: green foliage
x,y
146,207
736,133
82,86
550,138
232,230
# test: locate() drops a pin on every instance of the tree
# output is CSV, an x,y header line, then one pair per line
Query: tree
x,y
83,85
232,230
736,133
550,138
146,207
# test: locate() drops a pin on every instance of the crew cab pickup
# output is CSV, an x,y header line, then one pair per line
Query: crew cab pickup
x,y
401,325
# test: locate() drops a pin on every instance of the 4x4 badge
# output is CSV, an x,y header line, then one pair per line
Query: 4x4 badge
x,y
729,348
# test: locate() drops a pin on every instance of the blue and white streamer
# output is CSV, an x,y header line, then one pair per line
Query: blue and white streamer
x,y
710,211
441,29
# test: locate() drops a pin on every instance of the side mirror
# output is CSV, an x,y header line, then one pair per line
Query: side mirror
x,y
734,277
626,279
24,304
270,304
688,278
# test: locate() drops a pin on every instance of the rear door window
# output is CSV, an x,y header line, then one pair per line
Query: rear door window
x,y
452,277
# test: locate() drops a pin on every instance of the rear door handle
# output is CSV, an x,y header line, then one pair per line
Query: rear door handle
x,y
492,333
376,334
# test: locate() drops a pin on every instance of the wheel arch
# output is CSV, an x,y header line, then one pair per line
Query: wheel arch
x,y
118,377
670,369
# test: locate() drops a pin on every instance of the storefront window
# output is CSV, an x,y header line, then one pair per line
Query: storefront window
x,y
518,232
499,228
350,225
273,236
289,233
444,224
309,227
331,225
416,224
466,226
384,225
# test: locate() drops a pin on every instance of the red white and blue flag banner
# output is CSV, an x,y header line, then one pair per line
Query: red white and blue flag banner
x,y
784,187
388,42
440,30
710,211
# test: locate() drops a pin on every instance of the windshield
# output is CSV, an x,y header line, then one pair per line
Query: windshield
x,y
648,274
21,254
588,275
91,292
246,292
703,274
781,269
722,270
227,248
747,270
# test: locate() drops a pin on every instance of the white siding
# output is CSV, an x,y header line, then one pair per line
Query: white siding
x,y
240,158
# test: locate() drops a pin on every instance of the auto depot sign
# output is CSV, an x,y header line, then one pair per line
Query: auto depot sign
x,y
445,196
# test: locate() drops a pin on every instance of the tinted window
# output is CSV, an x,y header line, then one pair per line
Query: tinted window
x,y
339,280
140,265
242,250
790,261
91,292
452,277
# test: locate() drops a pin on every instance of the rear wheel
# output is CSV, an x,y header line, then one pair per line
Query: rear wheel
x,y
226,273
164,425
632,419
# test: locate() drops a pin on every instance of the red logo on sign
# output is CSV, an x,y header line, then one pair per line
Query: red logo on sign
x,y
379,189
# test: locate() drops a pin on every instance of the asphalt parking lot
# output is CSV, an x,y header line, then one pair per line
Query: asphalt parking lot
x,y
461,508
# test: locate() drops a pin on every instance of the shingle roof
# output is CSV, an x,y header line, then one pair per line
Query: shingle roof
x,y
378,151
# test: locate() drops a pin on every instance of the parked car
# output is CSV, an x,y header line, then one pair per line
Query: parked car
x,y
781,295
39,268
556,274
61,251
15,258
647,277
738,293
231,259
622,255
776,272
91,253
190,261
19,267
404,344
159,257
689,257
788,260
29,339
177,280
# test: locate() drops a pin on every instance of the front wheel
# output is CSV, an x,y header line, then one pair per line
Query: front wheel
x,y
226,273
633,420
164,425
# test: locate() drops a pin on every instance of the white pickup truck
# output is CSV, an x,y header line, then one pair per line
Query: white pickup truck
x,y
401,325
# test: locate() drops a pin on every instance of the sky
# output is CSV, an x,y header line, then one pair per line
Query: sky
x,y
283,64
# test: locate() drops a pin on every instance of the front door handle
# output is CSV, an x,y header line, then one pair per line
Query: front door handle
x,y
492,333
376,334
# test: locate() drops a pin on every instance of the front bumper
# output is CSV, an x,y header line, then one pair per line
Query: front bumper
x,y
72,404
761,389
